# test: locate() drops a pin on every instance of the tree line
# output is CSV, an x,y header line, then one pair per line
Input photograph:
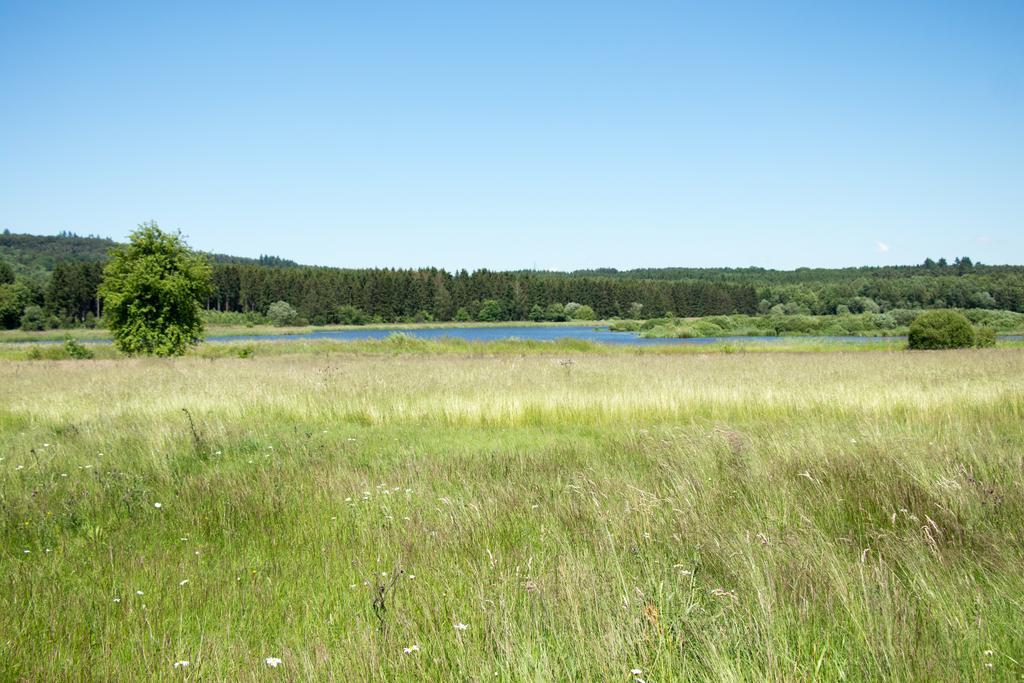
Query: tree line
x,y
331,295
67,294
328,295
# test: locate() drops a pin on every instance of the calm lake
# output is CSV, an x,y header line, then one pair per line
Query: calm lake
x,y
594,334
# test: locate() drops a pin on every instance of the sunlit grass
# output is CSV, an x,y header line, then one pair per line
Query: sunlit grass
x,y
748,516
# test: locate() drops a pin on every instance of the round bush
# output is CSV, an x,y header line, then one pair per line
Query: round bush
x,y
282,313
941,330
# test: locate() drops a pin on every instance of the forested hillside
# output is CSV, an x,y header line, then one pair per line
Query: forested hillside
x,y
36,256
54,281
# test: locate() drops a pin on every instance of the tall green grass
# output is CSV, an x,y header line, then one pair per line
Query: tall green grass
x,y
694,516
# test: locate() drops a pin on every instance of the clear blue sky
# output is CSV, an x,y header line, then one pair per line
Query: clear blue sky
x,y
509,135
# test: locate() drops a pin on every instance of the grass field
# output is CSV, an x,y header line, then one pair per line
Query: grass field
x,y
690,516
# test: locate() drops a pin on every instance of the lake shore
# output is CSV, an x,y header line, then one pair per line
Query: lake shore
x,y
84,334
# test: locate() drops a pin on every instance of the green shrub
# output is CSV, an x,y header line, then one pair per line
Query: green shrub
x,y
1001,321
76,350
282,313
583,312
706,328
884,321
940,329
656,322
33,319
555,312
491,310
984,337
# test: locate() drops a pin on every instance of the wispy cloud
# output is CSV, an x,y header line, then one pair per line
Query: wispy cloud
x,y
983,239
881,247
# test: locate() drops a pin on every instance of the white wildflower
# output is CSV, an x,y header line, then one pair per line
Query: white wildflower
x,y
183,582
158,505
461,627
636,672
273,662
138,592
181,665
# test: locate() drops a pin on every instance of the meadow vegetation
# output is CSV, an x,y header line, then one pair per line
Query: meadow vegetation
x,y
409,510
892,323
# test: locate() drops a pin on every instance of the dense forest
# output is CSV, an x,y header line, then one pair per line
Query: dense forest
x,y
36,256
52,280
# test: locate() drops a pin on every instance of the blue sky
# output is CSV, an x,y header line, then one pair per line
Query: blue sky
x,y
529,134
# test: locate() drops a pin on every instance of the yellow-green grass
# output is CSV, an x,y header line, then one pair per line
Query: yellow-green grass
x,y
744,516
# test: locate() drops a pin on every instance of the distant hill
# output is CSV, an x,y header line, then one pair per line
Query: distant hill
x,y
35,256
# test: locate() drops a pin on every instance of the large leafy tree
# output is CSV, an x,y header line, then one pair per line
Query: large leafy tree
x,y
153,289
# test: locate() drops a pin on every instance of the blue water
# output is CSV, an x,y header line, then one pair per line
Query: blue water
x,y
594,334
